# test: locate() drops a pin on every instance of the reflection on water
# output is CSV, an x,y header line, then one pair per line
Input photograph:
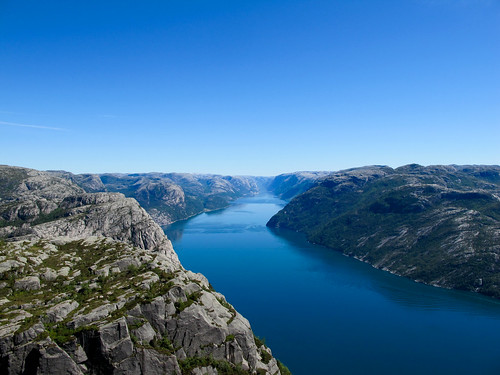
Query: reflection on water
x,y
324,313
175,231
398,289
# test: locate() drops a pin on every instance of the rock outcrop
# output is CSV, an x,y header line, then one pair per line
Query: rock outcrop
x,y
91,285
439,225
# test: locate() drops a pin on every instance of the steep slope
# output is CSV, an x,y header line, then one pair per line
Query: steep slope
x,y
288,185
90,284
439,225
169,197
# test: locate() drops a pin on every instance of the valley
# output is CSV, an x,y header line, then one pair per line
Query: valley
x,y
83,257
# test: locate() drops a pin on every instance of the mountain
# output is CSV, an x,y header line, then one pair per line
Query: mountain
x,y
439,224
89,284
169,197
288,185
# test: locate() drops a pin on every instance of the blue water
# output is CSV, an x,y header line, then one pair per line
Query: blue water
x,y
324,313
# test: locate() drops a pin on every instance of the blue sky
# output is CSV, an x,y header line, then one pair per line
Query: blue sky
x,y
256,87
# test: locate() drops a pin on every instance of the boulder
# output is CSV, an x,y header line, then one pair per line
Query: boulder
x,y
60,311
27,283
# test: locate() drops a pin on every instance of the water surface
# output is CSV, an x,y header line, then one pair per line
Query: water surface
x,y
324,313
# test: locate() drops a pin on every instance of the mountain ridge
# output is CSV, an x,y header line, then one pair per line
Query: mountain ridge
x,y
169,197
437,224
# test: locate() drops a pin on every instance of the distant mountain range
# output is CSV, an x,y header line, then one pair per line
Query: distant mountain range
x,y
439,224
170,197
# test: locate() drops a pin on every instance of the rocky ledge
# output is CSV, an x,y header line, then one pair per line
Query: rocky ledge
x,y
91,285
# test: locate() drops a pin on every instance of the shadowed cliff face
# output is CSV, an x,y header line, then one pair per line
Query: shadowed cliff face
x,y
288,185
439,225
90,284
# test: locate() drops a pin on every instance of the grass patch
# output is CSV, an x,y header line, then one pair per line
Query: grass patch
x,y
259,341
163,345
61,334
283,369
230,308
266,357
191,298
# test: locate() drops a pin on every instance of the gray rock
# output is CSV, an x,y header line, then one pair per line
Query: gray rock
x,y
153,363
180,354
27,283
205,371
145,333
103,324
64,271
195,329
155,313
49,275
97,314
28,335
54,360
115,341
79,355
60,311
9,264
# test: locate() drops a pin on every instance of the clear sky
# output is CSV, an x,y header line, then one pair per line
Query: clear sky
x,y
256,87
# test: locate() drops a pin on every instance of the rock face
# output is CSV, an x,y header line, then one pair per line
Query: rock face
x,y
169,197
288,185
439,225
91,285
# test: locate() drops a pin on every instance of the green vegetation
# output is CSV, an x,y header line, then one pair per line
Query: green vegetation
x,y
80,284
427,223
191,298
283,369
230,308
54,215
266,357
61,334
259,341
163,345
28,323
11,179
14,223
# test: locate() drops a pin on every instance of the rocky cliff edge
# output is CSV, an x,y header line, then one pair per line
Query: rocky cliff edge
x,y
91,285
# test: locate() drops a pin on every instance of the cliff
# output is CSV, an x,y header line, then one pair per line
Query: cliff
x,y
288,185
89,284
439,225
169,197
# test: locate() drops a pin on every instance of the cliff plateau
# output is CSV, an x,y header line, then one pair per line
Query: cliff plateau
x,y
89,284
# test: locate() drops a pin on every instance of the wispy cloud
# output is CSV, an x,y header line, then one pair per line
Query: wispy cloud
x,y
31,126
